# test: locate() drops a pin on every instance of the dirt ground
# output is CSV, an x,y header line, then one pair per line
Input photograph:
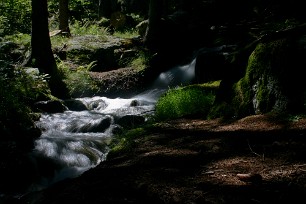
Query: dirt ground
x,y
258,159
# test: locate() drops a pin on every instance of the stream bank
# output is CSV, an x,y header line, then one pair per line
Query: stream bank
x,y
196,161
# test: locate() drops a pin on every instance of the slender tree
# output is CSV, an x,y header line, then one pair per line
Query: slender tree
x,y
41,54
64,17
153,32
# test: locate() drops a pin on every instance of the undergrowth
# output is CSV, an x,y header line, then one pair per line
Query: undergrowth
x,y
19,89
78,81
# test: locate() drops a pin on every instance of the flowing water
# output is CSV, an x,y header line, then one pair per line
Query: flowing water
x,y
74,141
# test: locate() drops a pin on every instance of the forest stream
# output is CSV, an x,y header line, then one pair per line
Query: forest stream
x,y
73,142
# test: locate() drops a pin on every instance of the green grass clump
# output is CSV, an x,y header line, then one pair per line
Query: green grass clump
x,y
194,100
88,28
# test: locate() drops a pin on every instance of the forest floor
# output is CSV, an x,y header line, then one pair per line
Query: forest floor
x,y
257,159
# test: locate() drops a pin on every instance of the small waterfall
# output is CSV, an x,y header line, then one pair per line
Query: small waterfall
x,y
176,76
74,141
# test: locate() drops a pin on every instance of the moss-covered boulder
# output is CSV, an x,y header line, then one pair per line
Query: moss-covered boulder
x,y
273,80
270,78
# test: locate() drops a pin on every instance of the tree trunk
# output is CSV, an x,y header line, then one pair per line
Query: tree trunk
x,y
41,55
153,32
64,17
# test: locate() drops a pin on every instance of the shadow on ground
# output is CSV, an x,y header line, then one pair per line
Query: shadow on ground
x,y
197,161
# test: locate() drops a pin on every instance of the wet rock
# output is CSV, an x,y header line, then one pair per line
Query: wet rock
x,y
99,104
134,103
75,105
50,106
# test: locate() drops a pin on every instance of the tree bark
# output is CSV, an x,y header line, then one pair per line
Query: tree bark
x,y
153,32
42,55
64,17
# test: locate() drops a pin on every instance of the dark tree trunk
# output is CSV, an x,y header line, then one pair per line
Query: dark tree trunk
x,y
64,16
153,33
42,56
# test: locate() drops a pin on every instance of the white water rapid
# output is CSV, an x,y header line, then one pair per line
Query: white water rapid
x,y
74,141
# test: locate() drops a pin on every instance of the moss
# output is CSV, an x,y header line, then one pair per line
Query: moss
x,y
124,143
260,90
221,110
242,98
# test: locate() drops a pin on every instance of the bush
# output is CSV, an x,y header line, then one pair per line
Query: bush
x,y
19,89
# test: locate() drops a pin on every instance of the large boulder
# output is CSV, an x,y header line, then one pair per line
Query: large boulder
x,y
273,79
75,105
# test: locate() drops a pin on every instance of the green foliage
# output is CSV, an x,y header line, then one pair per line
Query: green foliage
x,y
15,16
3,23
83,9
21,39
141,61
58,41
78,81
79,9
19,88
14,49
126,34
87,28
193,100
